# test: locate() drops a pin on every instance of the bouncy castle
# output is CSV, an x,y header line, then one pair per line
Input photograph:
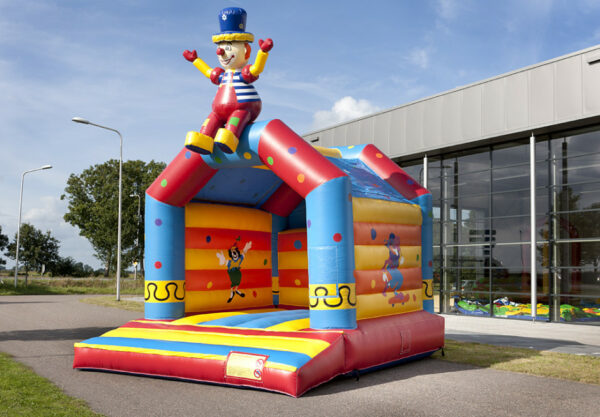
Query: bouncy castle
x,y
275,264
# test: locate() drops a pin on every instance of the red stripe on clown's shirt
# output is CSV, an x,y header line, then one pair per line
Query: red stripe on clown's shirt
x,y
293,160
391,173
182,179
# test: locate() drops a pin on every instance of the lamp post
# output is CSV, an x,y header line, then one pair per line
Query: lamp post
x,y
87,122
137,232
19,225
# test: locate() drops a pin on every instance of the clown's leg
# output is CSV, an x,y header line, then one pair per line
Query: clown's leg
x,y
227,138
202,142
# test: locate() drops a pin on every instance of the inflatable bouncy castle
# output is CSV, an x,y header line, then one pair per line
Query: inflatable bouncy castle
x,y
274,264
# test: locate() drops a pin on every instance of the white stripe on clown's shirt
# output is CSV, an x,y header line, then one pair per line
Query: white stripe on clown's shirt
x,y
243,92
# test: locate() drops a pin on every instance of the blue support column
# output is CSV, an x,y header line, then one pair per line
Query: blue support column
x,y
164,261
330,241
424,201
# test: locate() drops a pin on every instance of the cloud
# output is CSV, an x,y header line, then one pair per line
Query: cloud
x,y
419,57
346,108
447,9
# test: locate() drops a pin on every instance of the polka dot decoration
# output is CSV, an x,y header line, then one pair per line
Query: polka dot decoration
x,y
410,182
247,155
157,264
292,150
297,282
188,155
373,234
254,294
218,160
373,283
163,183
337,237
158,222
308,223
379,155
430,263
270,160
301,178
208,239
209,285
297,244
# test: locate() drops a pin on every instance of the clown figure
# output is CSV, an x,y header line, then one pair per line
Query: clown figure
x,y
392,276
236,103
234,264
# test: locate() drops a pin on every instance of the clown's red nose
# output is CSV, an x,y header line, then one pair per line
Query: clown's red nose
x,y
220,51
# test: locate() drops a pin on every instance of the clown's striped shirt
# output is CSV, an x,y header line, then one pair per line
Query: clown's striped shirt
x,y
243,92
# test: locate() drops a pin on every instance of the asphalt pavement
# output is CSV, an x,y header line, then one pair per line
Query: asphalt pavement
x,y
39,331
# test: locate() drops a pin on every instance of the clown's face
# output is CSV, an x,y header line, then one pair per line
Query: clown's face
x,y
234,253
232,55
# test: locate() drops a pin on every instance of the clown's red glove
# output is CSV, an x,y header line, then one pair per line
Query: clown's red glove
x,y
215,74
265,45
190,56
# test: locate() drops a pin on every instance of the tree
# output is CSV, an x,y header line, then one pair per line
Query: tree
x,y
93,207
3,245
35,249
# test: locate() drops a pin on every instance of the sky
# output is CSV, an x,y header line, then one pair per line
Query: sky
x,y
120,64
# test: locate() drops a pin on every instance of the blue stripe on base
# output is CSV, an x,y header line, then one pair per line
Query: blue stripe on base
x,y
258,320
284,357
164,311
333,319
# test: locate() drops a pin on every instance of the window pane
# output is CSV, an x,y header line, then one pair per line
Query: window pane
x,y
510,154
511,229
474,162
511,178
510,259
579,225
511,204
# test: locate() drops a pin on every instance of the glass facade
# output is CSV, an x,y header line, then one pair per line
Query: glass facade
x,y
482,228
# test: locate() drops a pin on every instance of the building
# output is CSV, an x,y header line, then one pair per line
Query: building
x,y
475,148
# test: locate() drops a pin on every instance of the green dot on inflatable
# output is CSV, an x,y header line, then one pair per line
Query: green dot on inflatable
x,y
163,183
270,160
265,262
218,160
417,257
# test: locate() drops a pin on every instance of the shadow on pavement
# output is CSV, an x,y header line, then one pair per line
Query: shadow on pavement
x,y
54,334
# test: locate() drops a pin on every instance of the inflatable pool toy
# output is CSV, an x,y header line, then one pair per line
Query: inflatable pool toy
x,y
279,265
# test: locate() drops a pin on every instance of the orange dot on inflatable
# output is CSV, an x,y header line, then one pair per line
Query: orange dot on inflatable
x,y
209,285
372,283
300,178
297,282
379,155
247,155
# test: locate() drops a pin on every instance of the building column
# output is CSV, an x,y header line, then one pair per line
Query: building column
x,y
533,237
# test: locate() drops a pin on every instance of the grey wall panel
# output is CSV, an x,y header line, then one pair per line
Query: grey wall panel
x,y
517,101
493,106
353,133
471,116
326,138
451,129
366,130
414,126
569,100
591,85
541,95
398,144
381,131
432,122
339,135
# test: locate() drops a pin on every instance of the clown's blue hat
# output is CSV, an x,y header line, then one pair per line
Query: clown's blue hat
x,y
233,26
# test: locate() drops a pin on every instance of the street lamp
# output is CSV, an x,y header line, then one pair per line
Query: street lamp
x,y
19,225
87,122
137,232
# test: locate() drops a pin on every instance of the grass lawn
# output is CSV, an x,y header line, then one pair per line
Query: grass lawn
x,y
23,393
579,368
71,286
110,301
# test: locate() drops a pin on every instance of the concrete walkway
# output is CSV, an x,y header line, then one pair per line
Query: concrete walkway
x,y
39,331
580,339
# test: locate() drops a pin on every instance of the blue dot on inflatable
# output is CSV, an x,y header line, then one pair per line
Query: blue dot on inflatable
x,y
292,150
297,244
410,182
188,155
207,239
373,234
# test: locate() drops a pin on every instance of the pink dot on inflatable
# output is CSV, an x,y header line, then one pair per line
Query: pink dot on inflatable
x,y
254,294
379,155
337,237
158,222
308,223
157,265
430,264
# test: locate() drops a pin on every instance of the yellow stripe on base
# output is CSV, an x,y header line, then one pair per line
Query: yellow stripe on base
x,y
332,296
219,216
374,257
382,211
293,260
291,326
310,347
200,301
290,296
376,305
330,152
268,364
199,259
